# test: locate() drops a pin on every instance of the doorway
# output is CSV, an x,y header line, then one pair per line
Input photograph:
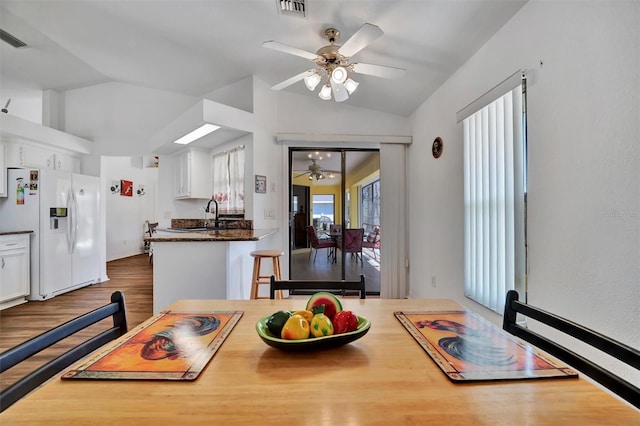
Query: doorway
x,y
326,200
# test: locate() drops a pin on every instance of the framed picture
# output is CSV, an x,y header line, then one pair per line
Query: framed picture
x,y
126,188
261,184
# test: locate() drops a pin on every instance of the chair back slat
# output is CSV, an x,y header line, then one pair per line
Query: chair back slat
x,y
318,285
13,356
618,350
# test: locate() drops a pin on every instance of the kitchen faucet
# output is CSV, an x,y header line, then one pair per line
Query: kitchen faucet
x,y
208,210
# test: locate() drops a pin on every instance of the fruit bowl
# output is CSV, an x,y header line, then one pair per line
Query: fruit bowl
x,y
312,343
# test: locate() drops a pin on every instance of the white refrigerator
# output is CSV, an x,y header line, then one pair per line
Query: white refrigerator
x,y
62,210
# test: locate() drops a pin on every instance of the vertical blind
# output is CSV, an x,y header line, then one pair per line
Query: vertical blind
x,y
394,283
494,200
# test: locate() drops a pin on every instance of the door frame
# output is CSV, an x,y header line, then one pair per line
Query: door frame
x,y
343,151
394,283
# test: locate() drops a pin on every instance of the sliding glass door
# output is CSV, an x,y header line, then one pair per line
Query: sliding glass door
x,y
343,186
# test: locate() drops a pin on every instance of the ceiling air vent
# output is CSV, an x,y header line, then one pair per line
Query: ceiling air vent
x,y
5,36
292,7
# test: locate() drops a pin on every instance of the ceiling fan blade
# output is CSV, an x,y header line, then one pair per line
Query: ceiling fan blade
x,y
379,71
340,93
289,49
301,174
288,82
365,35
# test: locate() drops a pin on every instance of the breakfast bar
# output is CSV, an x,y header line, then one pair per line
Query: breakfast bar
x,y
384,377
206,264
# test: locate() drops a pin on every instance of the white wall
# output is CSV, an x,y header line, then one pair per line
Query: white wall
x,y
267,159
238,95
125,216
25,103
584,165
311,115
121,118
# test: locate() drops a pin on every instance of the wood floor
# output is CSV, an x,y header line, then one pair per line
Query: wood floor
x,y
132,275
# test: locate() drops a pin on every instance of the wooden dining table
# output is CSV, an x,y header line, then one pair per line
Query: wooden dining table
x,y
383,378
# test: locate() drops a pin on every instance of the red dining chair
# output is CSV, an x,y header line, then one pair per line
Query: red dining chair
x,y
317,244
353,242
372,241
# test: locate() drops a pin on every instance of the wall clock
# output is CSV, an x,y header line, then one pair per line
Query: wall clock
x,y
436,148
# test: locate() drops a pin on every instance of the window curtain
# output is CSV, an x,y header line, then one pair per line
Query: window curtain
x,y
228,181
236,181
494,200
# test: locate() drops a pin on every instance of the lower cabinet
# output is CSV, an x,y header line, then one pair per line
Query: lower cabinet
x,y
14,269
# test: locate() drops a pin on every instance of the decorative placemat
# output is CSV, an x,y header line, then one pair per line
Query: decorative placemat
x,y
468,347
171,346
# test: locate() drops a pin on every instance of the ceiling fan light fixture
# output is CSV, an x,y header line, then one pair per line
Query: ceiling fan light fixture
x,y
339,75
325,92
351,85
311,81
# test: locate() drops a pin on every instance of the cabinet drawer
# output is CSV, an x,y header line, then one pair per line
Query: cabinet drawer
x,y
14,242
13,245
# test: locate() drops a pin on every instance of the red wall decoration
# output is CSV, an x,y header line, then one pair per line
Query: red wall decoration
x,y
126,188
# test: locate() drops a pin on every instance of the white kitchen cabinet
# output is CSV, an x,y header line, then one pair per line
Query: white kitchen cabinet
x,y
31,156
3,172
14,269
66,163
38,157
192,175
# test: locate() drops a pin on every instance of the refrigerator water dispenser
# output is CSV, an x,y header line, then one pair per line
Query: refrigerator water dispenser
x,y
54,214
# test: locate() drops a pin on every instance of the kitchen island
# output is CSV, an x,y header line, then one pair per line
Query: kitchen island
x,y
203,264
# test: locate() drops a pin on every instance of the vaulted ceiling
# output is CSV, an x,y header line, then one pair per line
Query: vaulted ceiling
x,y
194,47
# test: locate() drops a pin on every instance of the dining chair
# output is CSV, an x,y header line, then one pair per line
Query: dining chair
x,y
151,228
317,243
13,356
372,241
318,285
617,350
353,238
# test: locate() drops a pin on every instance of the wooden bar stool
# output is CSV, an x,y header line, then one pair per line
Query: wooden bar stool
x,y
258,279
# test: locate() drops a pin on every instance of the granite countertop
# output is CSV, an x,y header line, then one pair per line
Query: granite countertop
x,y
14,232
222,235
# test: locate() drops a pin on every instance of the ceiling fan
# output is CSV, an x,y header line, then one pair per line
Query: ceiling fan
x,y
317,172
334,62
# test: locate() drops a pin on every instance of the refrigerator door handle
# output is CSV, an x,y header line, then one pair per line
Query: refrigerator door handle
x,y
69,222
74,223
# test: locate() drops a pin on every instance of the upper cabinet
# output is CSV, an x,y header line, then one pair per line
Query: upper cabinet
x,y
40,157
192,175
29,144
3,172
